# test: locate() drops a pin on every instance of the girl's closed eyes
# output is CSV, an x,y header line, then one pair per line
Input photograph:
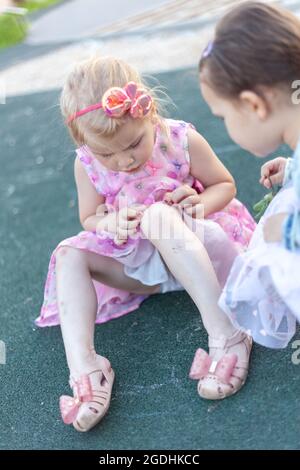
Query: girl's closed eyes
x,y
132,146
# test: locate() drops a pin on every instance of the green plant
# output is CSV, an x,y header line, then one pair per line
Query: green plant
x,y
34,5
261,206
13,29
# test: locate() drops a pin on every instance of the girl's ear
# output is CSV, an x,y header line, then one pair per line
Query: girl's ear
x,y
154,118
252,102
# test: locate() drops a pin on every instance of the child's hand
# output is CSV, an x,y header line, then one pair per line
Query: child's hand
x,y
122,224
273,172
127,222
187,198
273,227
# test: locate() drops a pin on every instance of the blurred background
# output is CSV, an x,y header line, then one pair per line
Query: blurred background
x,y
154,35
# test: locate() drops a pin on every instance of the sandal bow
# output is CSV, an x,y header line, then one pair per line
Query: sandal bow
x,y
69,406
204,364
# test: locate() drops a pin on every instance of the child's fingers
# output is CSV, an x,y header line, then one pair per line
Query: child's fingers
x,y
181,193
123,234
272,180
273,167
168,198
262,180
266,170
265,167
129,224
189,201
196,211
102,210
136,211
265,182
129,213
131,232
273,171
277,178
139,207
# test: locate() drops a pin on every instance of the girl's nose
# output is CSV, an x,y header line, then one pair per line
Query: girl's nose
x,y
125,163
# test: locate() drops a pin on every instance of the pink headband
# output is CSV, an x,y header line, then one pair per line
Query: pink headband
x,y
117,101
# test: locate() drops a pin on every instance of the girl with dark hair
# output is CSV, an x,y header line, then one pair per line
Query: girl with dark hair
x,y
249,76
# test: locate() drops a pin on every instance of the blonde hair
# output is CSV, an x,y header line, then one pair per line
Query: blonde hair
x,y
85,86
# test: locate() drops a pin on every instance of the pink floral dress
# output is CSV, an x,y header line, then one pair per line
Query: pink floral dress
x,y
167,169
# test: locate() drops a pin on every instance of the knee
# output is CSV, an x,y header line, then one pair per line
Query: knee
x,y
157,219
68,256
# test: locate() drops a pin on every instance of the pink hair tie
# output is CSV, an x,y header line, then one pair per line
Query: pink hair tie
x,y
118,101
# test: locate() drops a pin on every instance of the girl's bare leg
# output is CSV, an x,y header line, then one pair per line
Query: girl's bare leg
x,y
77,301
189,262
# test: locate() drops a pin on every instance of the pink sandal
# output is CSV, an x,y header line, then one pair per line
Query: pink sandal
x,y
221,378
92,394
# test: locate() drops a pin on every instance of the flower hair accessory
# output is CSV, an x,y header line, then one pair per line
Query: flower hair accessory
x,y
118,101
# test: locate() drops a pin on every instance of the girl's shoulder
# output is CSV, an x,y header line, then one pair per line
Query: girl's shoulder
x,y
90,163
84,155
174,133
178,124
98,175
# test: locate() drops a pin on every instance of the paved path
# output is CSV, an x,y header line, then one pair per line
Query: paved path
x,y
79,18
170,37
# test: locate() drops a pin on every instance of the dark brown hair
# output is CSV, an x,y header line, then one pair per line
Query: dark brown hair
x,y
255,45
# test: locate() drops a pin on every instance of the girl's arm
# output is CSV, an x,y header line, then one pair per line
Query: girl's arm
x,y
92,210
206,167
88,200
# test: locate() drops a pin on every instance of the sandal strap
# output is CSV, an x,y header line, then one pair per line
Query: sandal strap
x,y
106,370
73,382
224,343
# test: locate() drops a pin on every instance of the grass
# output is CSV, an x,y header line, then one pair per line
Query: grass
x,y
35,5
13,29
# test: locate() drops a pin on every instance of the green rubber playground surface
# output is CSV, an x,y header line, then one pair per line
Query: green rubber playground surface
x,y
154,404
